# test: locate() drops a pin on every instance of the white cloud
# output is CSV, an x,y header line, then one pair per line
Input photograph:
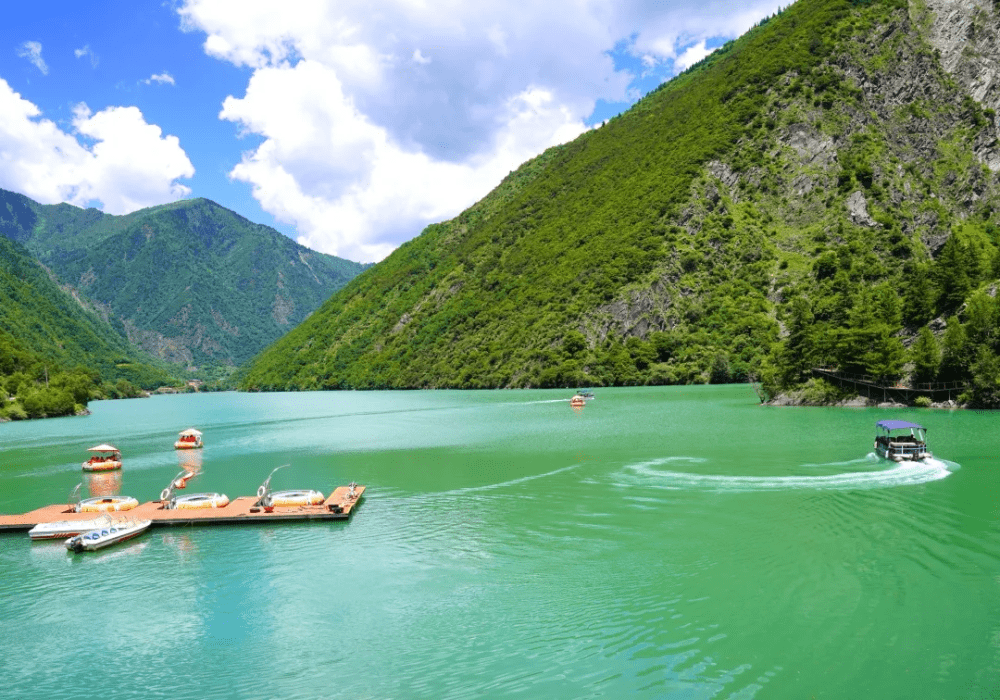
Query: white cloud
x,y
366,139
32,50
691,55
161,78
87,51
124,163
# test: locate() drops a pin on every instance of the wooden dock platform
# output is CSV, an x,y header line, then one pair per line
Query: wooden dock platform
x,y
236,513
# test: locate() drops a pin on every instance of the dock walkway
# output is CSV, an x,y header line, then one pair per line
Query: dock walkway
x,y
236,513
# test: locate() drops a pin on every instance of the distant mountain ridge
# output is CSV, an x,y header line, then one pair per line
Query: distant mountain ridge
x,y
189,282
811,194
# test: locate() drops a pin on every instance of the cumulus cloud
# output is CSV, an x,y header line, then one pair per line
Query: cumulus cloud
x,y
124,163
161,78
374,124
87,51
32,50
691,55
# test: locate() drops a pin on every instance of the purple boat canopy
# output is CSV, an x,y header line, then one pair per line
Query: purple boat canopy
x,y
898,425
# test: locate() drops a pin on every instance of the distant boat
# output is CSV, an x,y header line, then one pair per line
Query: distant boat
x,y
577,400
587,394
62,529
900,440
107,457
99,538
188,440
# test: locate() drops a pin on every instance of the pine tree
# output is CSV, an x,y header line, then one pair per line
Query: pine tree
x,y
925,355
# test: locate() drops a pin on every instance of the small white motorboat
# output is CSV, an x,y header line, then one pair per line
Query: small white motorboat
x,y
62,529
114,533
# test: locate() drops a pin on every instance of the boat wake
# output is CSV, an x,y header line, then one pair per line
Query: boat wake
x,y
652,473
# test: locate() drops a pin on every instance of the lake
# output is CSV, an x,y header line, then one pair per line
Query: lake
x,y
661,542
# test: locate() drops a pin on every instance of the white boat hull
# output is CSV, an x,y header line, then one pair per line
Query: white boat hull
x,y
65,528
106,536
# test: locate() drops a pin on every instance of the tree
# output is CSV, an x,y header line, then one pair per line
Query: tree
x,y
954,363
925,355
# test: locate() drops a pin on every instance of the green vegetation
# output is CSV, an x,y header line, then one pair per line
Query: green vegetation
x,y
190,282
54,354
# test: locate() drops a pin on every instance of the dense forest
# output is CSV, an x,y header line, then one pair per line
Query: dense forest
x,y
806,196
54,354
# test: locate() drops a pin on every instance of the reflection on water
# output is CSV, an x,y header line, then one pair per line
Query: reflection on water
x,y
190,460
103,484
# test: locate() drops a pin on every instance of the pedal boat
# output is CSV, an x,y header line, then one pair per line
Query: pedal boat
x,y
107,458
900,440
189,439
106,504
268,499
190,501
106,536
62,529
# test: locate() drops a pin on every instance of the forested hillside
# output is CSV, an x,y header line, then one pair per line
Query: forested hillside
x,y
819,192
55,355
189,282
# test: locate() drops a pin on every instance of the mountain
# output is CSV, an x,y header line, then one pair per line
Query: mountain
x,y
819,192
190,282
54,353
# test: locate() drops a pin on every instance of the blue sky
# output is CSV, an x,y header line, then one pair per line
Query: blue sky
x,y
344,127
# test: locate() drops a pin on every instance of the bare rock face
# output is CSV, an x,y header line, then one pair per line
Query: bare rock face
x,y
967,35
857,207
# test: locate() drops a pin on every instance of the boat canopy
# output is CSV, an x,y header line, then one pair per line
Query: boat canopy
x,y
191,431
103,448
898,425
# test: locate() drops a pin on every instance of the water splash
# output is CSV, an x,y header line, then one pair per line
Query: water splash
x,y
903,474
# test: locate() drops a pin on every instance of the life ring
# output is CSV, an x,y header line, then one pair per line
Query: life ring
x,y
164,494
261,491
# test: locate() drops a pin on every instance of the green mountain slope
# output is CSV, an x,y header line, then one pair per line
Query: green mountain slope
x,y
191,282
768,211
54,354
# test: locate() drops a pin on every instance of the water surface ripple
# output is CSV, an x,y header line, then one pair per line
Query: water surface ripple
x,y
674,542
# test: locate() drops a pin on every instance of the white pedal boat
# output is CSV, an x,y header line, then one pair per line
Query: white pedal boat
x,y
106,536
266,498
189,501
106,504
62,529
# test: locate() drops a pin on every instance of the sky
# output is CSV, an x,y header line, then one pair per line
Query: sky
x,y
347,125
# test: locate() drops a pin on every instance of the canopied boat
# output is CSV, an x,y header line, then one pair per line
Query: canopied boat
x,y
106,458
188,440
900,440
189,501
266,498
577,400
102,537
62,529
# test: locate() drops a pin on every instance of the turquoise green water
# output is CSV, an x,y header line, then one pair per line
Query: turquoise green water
x,y
663,542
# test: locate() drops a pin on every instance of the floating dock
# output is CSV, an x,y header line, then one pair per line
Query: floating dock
x,y
240,511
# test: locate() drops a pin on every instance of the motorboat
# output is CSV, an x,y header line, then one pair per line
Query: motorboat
x,y
62,529
105,458
268,499
577,400
106,504
190,501
901,440
189,439
105,536
585,394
